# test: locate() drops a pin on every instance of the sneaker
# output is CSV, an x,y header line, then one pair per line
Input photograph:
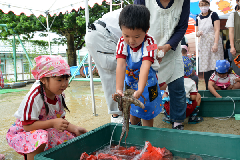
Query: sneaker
x,y
166,119
118,119
179,127
194,120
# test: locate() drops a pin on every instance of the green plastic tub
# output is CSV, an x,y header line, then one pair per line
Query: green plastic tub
x,y
228,105
180,143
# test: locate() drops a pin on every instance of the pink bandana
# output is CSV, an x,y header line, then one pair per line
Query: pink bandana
x,y
185,47
50,65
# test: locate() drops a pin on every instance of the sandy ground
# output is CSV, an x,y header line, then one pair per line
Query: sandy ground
x,y
78,100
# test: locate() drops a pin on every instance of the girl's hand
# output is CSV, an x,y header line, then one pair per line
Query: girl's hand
x,y
60,124
120,92
137,94
214,48
233,51
79,131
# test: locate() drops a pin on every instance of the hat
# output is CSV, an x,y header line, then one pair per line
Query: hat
x,y
188,66
222,66
50,65
185,47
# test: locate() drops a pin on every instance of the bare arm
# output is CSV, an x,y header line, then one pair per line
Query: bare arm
x,y
231,39
212,89
143,77
58,123
120,75
216,31
197,35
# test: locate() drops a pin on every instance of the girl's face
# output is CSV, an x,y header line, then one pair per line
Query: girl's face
x,y
54,85
222,75
133,37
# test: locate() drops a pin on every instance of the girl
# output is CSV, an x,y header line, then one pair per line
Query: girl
x,y
41,123
210,46
223,78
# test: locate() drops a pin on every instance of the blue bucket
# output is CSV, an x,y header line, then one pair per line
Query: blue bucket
x,y
85,71
73,69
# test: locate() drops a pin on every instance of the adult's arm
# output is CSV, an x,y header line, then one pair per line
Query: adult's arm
x,y
231,38
217,34
182,26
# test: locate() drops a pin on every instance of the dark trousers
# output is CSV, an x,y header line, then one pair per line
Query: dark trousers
x,y
207,75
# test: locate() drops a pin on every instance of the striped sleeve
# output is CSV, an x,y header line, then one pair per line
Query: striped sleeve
x,y
149,55
31,106
121,50
213,77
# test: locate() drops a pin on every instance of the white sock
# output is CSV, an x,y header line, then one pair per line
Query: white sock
x,y
176,124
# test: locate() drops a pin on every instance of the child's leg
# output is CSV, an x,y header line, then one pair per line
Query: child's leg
x,y
216,87
198,99
148,123
134,120
30,156
236,86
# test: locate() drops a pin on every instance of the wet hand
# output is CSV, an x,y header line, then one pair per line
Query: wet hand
x,y
60,124
137,94
120,92
80,130
214,48
233,51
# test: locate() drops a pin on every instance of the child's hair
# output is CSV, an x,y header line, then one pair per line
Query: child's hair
x,y
42,95
135,17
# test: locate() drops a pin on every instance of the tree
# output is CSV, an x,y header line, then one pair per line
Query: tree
x,y
72,25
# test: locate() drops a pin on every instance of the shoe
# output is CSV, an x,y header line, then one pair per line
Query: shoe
x,y
118,119
162,111
167,120
194,120
179,127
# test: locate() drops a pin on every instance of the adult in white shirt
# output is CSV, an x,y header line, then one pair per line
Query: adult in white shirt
x,y
233,24
101,41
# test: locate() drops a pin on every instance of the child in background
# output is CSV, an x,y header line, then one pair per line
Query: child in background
x,y
223,78
193,75
137,65
193,98
41,122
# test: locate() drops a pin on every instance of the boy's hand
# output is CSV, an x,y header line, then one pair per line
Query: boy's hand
x,y
79,131
120,92
60,124
137,94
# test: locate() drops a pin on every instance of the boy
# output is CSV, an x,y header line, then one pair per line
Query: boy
x,y
193,98
136,56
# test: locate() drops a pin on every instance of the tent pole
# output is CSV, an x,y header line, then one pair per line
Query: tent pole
x,y
14,56
48,30
90,62
110,5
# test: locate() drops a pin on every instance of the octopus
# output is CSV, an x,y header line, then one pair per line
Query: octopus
x,y
124,104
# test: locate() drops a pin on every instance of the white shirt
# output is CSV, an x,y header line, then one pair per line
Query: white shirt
x,y
189,85
32,104
111,21
136,54
230,21
214,77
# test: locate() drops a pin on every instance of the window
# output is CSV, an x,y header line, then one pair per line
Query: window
x,y
26,68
